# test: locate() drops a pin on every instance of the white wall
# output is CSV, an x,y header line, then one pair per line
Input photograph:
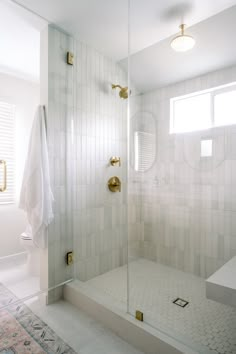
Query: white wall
x,y
188,203
25,96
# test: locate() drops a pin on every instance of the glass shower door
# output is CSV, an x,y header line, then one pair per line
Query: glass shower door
x,y
100,166
181,191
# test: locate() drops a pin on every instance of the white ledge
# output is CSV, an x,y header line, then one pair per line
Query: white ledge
x,y
221,286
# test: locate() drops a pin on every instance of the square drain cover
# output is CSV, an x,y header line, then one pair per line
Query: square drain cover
x,y
180,302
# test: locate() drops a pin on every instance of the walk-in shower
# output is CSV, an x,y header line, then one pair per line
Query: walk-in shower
x,y
177,209
142,159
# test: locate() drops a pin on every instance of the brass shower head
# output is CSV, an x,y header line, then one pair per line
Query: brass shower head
x,y
123,91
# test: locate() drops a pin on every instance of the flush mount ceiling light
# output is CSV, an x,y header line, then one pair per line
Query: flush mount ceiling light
x,y
182,42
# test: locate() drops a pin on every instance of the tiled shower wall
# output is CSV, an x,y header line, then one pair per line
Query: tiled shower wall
x,y
189,203
87,124
100,216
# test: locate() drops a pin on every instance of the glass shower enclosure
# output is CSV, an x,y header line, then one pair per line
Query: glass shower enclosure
x,y
142,154
152,196
182,245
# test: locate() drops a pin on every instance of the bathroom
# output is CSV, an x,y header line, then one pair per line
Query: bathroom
x,y
140,126
20,95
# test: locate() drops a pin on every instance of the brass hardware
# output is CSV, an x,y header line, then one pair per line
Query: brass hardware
x,y
115,160
139,316
4,186
69,258
182,28
123,91
70,58
114,184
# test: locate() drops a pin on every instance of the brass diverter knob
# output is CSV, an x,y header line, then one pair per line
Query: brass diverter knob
x,y
114,184
115,160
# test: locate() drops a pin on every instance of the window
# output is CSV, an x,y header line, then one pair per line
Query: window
x,y
204,110
193,113
225,108
7,153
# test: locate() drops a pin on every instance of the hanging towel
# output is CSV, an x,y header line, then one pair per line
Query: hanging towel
x,y
36,197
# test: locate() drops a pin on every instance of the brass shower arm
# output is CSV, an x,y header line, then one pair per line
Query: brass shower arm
x,y
115,86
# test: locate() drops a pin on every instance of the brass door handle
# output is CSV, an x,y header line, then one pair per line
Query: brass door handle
x,y
114,184
4,186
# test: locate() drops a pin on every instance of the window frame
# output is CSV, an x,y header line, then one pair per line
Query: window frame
x,y
213,92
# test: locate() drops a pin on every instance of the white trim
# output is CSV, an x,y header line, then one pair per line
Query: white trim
x,y
196,93
19,258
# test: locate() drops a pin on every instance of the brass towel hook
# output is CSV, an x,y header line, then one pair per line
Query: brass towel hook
x,y
4,186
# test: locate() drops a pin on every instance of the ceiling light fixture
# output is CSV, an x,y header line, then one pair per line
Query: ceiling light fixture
x,y
182,42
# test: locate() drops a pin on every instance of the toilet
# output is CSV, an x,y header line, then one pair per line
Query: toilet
x,y
33,257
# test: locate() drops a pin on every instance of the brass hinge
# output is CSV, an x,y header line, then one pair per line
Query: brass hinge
x,y
139,316
69,258
70,58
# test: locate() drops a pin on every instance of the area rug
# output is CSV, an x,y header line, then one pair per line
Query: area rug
x,y
21,331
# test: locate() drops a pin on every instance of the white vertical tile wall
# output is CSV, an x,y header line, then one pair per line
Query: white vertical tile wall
x,y
188,205
100,216
87,124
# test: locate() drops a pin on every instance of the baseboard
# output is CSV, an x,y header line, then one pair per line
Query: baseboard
x,y
13,259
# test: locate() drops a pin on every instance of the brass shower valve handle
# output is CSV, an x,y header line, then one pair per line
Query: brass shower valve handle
x,y
115,160
114,184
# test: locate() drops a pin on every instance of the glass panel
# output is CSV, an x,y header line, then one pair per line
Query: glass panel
x,y
61,134
87,140
100,168
182,248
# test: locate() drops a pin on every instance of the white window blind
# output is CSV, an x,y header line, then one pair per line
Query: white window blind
x,y
7,151
144,150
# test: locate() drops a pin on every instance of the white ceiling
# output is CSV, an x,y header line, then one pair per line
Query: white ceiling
x,y
159,65
103,24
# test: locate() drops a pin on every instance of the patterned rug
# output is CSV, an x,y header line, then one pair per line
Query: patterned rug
x,y
21,331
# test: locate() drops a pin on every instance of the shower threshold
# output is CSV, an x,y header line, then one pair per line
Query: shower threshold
x,y
104,298
138,334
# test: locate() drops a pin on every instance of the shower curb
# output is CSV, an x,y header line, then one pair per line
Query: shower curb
x,y
138,334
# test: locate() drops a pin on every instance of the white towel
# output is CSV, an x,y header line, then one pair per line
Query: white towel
x,y
36,196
